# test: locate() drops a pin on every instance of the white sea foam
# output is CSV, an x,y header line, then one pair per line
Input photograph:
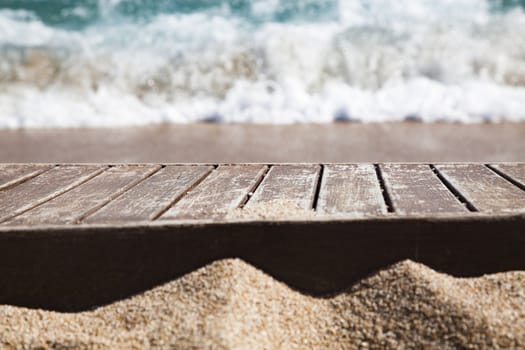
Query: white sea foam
x,y
370,61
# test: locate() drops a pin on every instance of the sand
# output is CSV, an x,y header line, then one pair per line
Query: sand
x,y
232,305
215,143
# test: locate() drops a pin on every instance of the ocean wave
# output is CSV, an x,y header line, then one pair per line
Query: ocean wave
x,y
262,61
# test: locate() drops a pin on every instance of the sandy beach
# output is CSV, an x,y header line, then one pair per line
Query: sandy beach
x,y
232,305
210,143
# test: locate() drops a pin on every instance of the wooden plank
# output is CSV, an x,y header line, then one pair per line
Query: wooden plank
x,y
287,186
223,190
42,188
152,197
13,174
414,189
81,267
74,205
350,189
487,191
516,172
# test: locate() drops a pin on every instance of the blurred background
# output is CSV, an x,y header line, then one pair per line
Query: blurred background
x,y
262,80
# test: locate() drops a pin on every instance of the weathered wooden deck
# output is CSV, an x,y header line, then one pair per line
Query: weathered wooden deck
x,y
75,236
39,195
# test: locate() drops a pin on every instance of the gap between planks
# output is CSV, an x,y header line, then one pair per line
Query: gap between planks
x,y
452,189
49,197
486,190
507,177
385,192
180,197
252,191
26,176
118,194
317,192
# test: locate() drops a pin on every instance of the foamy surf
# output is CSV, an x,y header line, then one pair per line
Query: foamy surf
x,y
87,63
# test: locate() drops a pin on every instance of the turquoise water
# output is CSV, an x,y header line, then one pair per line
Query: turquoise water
x,y
133,62
77,14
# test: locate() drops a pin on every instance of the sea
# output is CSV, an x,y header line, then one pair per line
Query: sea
x,y
114,63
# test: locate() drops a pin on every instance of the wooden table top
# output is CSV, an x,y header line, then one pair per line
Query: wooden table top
x,y
100,194
74,237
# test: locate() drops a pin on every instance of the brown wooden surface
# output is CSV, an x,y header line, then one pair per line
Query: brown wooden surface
x,y
351,189
415,189
12,174
127,194
225,189
76,204
79,266
151,197
48,185
291,186
487,191
515,171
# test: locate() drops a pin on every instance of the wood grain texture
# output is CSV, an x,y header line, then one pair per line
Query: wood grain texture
x,y
487,191
71,194
13,174
74,205
150,198
414,189
514,171
291,186
44,187
223,190
350,189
